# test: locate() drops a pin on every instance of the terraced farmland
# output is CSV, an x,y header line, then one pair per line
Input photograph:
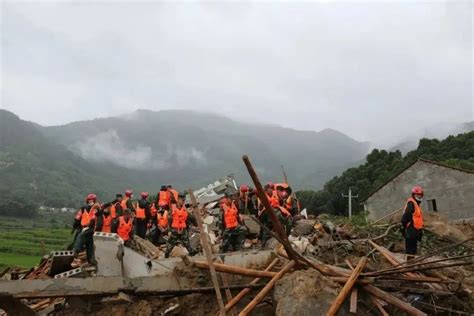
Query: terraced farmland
x,y
21,239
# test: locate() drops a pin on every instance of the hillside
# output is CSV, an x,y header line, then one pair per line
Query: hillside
x,y
381,165
57,166
36,171
182,146
437,131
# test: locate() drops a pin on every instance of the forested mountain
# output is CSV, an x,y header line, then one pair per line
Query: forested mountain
x,y
57,166
184,146
381,165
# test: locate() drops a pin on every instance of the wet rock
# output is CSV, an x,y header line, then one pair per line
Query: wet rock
x,y
306,293
303,227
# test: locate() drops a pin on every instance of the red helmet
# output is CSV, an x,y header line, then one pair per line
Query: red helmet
x,y
91,197
128,193
244,188
144,195
417,190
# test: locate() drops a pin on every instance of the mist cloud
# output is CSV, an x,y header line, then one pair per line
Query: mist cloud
x,y
108,147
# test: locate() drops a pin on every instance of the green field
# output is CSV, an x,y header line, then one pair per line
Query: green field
x,y
20,239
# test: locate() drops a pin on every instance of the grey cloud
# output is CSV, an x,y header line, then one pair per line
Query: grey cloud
x,y
371,70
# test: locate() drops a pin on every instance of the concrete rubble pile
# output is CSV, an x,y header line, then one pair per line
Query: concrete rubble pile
x,y
326,266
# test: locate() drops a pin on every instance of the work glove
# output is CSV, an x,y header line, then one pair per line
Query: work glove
x,y
419,235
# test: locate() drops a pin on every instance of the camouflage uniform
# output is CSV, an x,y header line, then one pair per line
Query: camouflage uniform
x,y
177,238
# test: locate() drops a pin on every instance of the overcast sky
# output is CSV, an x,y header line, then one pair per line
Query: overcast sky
x,y
371,70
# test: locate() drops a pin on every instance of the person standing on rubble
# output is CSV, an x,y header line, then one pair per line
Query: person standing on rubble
x,y
124,227
116,208
179,221
412,222
231,226
173,194
161,225
127,201
85,222
163,198
142,215
263,215
104,219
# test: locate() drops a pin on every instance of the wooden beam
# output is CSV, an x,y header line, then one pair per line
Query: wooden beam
x,y
245,291
379,306
207,251
347,288
225,281
261,295
393,300
15,307
353,308
226,268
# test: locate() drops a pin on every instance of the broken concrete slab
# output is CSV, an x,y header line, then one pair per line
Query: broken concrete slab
x,y
61,261
79,272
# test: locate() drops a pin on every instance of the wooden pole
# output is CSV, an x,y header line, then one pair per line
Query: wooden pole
x,y
347,288
285,178
208,252
225,281
261,295
379,306
245,291
393,300
225,268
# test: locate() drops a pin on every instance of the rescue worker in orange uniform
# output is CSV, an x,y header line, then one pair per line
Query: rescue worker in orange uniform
x,y
231,224
116,208
142,215
262,214
412,222
104,219
163,198
84,223
245,202
179,222
127,201
162,226
123,227
173,194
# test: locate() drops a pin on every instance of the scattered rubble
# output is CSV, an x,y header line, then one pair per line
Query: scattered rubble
x,y
327,265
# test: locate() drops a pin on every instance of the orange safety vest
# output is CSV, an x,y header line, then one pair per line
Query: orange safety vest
x,y
179,218
123,203
164,198
113,210
124,228
107,224
139,212
162,219
284,211
230,216
86,217
417,214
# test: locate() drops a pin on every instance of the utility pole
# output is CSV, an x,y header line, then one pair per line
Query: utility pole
x,y
350,196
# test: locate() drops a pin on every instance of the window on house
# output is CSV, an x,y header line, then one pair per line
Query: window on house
x,y
432,205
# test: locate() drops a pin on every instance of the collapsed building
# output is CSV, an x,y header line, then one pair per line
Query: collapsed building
x,y
327,266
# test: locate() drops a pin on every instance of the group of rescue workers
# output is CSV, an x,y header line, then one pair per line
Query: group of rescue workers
x,y
167,219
